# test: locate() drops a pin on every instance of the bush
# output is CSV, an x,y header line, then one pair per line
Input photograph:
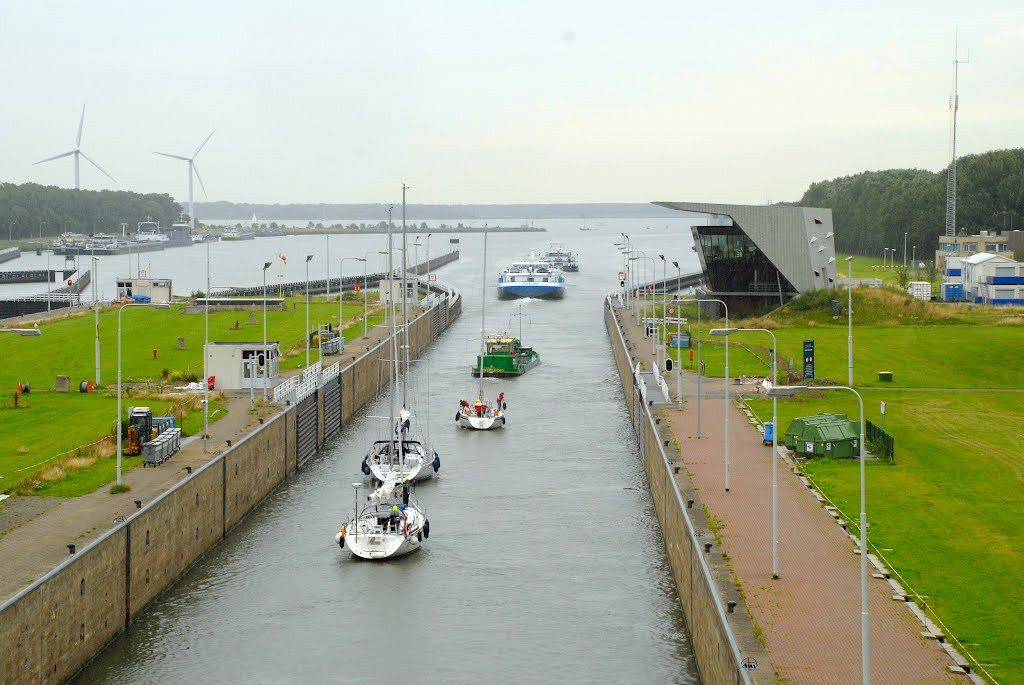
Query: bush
x,y
116,489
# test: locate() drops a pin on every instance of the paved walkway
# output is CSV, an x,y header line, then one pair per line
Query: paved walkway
x,y
41,531
810,616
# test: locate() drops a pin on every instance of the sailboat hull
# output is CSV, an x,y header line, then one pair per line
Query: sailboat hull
x,y
412,472
368,541
481,423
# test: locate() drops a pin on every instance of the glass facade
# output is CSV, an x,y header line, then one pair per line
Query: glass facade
x,y
735,265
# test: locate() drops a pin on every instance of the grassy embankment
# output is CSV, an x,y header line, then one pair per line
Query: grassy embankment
x,y
63,444
947,514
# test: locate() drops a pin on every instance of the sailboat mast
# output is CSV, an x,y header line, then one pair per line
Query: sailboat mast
x,y
405,292
483,309
391,338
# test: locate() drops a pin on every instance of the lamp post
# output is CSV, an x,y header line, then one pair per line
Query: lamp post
x,y
341,292
725,384
206,353
96,306
679,332
266,265
913,256
775,442
41,229
849,320
428,258
865,645
10,231
904,248
664,290
308,257
160,305
329,272
49,279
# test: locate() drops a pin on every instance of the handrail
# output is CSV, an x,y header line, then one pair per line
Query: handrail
x,y
691,532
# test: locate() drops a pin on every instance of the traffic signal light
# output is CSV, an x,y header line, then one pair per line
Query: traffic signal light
x,y
622,284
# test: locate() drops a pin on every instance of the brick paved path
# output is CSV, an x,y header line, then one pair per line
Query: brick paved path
x,y
810,616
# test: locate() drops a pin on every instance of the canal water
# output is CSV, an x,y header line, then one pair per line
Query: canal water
x,y
545,561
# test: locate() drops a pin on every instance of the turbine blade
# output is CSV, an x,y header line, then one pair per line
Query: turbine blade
x,y
97,166
200,178
78,138
168,154
204,143
50,159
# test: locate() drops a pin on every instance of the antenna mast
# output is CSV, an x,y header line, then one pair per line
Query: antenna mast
x,y
954,106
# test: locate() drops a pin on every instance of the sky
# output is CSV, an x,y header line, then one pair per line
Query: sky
x,y
480,102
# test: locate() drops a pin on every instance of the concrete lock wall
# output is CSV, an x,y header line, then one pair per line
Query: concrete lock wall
x,y
49,630
722,641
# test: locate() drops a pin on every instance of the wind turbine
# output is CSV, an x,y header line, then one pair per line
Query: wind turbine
x,y
192,169
76,152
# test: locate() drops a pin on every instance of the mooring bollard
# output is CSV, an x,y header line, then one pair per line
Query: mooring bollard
x,y
138,504
707,547
732,606
188,469
71,549
689,504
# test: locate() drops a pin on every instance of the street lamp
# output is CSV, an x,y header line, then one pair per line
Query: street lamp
x,y
679,332
96,301
266,265
153,305
428,257
24,332
904,248
849,320
775,442
664,289
308,257
329,271
341,291
10,231
41,229
725,385
865,646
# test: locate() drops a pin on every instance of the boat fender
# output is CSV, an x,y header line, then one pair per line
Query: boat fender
x,y
419,536
503,420
340,538
366,467
457,417
426,528
436,463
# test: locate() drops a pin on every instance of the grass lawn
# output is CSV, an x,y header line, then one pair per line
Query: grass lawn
x,y
947,513
67,346
39,430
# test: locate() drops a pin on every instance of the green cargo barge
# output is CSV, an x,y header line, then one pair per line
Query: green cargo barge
x,y
506,357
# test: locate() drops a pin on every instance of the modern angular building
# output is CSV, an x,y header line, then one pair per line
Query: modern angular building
x,y
756,257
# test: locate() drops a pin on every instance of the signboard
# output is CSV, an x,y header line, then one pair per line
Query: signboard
x,y
356,287
622,275
808,359
431,277
453,241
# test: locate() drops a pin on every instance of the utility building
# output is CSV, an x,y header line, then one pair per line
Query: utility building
x,y
156,289
244,365
755,257
992,279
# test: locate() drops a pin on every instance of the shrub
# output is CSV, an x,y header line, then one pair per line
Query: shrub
x,y
116,489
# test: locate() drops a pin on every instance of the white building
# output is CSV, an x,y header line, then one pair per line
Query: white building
x,y
992,279
156,289
391,290
243,365
953,280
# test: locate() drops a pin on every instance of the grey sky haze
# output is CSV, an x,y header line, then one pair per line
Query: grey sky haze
x,y
473,102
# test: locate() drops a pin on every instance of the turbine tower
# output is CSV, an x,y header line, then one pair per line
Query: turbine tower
x,y
954,106
76,152
192,170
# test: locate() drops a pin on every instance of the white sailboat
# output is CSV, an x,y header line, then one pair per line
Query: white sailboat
x,y
482,414
400,455
390,524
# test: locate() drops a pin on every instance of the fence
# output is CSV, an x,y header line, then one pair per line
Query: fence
x,y
877,436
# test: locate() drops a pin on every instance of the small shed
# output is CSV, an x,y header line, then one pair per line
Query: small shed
x,y
244,365
391,290
156,289
824,435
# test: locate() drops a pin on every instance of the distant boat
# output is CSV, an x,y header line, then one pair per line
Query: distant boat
x,y
238,234
561,258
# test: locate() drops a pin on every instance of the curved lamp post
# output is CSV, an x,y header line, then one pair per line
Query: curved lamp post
x,y
266,265
151,305
865,646
341,292
725,384
775,441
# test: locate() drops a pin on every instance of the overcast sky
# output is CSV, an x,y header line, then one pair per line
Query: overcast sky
x,y
525,101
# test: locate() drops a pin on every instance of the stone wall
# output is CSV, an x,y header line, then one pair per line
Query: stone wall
x,y
54,626
722,641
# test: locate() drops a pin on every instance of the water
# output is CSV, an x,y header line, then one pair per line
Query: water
x,y
545,561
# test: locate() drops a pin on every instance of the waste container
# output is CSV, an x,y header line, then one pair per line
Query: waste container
x,y
769,433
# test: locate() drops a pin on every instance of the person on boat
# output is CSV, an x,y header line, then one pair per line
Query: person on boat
x,y
501,398
479,406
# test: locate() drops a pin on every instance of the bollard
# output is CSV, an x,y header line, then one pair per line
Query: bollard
x,y
676,470
138,504
71,549
229,443
689,504
707,547
261,420
732,606
154,353
188,469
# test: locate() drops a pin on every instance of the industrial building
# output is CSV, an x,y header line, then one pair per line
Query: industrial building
x,y
755,257
963,245
156,289
243,365
992,279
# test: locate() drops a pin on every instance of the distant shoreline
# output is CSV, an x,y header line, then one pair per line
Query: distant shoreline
x,y
336,230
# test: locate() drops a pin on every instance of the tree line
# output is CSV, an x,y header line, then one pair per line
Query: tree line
x,y
873,209
31,210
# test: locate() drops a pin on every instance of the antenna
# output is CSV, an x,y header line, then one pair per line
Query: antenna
x,y
954,106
